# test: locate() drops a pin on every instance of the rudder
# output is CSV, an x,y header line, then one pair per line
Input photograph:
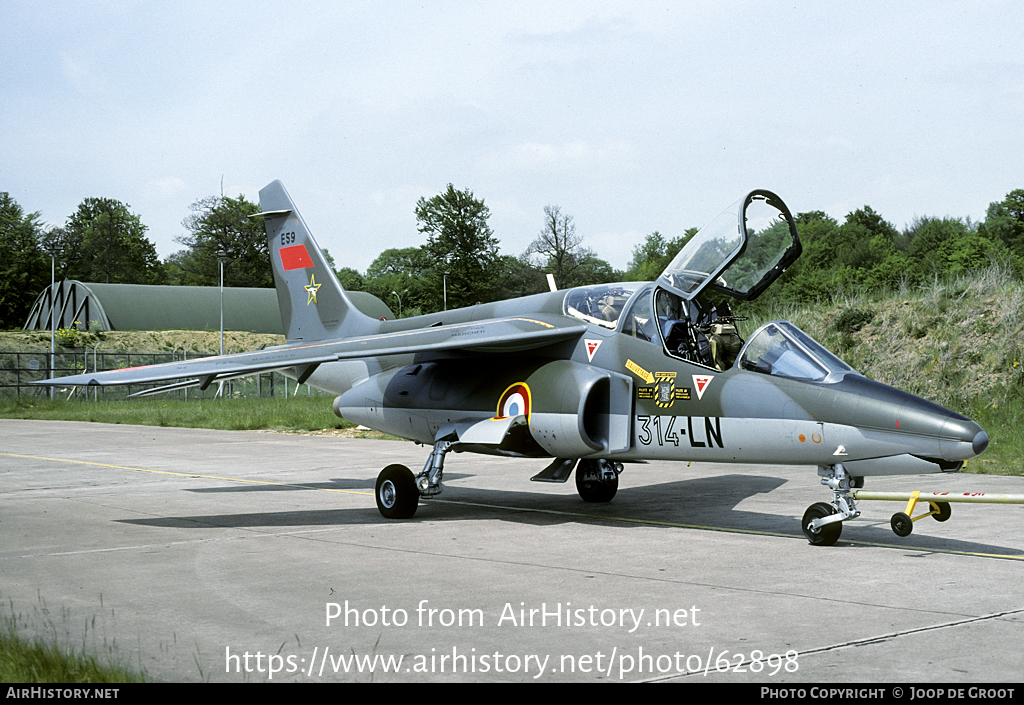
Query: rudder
x,y
313,304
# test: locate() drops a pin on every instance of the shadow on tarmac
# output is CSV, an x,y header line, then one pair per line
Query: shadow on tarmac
x,y
347,483
699,503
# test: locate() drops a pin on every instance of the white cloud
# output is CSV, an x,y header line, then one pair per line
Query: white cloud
x,y
631,115
167,187
80,75
571,156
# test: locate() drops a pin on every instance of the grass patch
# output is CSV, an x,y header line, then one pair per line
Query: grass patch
x,y
1004,425
41,659
301,413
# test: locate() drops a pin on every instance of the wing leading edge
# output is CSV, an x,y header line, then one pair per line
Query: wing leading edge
x,y
510,334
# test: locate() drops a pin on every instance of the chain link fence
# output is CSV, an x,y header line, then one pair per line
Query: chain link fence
x,y
19,369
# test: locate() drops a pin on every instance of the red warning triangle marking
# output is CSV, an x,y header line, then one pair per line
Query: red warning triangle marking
x,y
592,346
701,382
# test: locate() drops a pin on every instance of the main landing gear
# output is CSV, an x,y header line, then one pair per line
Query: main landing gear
x,y
398,491
597,480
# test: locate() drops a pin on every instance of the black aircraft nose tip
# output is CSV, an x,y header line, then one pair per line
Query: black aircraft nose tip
x,y
980,443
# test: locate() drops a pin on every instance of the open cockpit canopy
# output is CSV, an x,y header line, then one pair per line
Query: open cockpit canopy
x,y
739,253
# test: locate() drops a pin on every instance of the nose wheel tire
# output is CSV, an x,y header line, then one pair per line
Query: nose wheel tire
x,y
828,534
396,492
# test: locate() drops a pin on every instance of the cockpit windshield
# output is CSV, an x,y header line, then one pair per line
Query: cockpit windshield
x,y
779,348
600,304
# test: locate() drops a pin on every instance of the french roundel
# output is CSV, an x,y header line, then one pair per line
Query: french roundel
x,y
515,401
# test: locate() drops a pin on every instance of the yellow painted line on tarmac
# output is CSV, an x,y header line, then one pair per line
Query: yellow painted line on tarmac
x,y
554,512
922,549
186,474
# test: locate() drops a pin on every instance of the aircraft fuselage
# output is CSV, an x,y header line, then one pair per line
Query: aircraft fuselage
x,y
677,410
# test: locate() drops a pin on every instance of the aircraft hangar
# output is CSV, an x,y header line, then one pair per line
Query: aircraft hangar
x,y
96,306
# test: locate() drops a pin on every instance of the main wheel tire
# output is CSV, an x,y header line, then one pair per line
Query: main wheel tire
x,y
591,486
396,492
902,524
826,535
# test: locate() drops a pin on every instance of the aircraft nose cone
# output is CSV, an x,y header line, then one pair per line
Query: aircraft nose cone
x,y
980,443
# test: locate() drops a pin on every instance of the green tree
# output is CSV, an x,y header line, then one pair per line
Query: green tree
x,y
865,253
520,278
655,253
412,262
219,224
812,276
560,249
350,279
594,270
24,267
104,242
461,246
1004,222
945,246
401,273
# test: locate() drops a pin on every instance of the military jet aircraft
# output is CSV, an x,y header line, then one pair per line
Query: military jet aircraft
x,y
595,377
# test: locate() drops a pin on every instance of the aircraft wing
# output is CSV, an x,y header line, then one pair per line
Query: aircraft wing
x,y
511,334
205,370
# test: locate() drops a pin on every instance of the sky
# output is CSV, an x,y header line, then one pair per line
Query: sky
x,y
629,116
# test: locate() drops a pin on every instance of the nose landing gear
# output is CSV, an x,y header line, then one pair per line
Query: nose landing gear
x,y
822,522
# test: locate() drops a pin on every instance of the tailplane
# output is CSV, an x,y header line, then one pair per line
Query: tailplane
x,y
313,304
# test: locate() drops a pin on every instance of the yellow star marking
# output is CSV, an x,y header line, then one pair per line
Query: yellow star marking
x,y
312,289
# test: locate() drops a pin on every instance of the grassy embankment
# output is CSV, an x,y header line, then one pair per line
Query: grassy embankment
x,y
959,343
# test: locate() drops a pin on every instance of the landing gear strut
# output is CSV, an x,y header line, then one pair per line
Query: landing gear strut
x,y
822,522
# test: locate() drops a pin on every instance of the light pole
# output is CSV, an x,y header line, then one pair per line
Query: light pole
x,y
222,257
53,325
446,260
399,301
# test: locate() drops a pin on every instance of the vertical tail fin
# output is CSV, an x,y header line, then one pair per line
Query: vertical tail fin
x,y
313,304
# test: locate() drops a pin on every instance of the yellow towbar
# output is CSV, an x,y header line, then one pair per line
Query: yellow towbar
x,y
903,522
